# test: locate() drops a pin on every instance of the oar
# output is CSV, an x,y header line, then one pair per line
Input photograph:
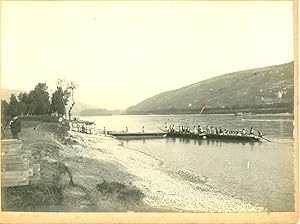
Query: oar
x,y
266,139
161,129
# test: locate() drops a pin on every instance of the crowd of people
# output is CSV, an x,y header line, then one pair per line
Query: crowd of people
x,y
82,126
210,130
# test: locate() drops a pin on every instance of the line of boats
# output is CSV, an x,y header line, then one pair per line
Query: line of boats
x,y
244,138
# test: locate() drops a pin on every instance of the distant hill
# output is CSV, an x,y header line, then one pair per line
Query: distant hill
x,y
5,93
99,112
262,90
79,106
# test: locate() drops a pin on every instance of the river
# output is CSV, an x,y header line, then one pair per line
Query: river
x,y
260,172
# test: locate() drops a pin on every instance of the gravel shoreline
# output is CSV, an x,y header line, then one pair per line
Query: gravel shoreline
x,y
163,188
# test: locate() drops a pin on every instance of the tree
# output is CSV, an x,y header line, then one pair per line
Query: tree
x,y
60,98
22,105
4,111
13,105
39,100
59,101
72,87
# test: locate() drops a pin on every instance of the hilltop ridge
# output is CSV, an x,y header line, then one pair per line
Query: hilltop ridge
x,y
260,90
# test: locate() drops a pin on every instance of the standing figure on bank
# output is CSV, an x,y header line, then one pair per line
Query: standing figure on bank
x,y
15,126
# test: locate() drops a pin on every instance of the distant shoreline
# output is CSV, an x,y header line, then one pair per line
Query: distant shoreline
x,y
171,114
187,113
219,111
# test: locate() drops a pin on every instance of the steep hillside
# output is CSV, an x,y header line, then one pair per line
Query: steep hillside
x,y
268,89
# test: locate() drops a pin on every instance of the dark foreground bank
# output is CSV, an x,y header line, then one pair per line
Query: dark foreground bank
x,y
57,190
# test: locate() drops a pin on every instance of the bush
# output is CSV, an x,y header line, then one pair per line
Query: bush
x,y
43,118
125,193
31,198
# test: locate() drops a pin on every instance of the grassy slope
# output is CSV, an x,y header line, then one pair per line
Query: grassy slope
x,y
58,189
244,89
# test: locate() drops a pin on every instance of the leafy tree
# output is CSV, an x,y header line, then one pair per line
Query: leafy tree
x,y
23,103
13,105
4,111
60,98
59,101
39,100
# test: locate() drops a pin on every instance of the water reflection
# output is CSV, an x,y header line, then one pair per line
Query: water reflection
x,y
198,142
213,142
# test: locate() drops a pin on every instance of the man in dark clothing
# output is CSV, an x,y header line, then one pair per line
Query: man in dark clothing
x,y
15,126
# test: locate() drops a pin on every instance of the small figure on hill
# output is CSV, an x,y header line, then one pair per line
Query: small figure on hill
x,y
126,129
143,129
15,126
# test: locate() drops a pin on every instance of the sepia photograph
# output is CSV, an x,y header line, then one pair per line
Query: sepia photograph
x,y
149,111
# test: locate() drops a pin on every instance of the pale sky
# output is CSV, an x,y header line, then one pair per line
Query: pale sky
x,y
120,53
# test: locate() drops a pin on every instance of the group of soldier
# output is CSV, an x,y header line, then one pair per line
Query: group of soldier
x,y
185,129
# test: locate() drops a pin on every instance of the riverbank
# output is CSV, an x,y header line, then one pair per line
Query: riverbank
x,y
97,173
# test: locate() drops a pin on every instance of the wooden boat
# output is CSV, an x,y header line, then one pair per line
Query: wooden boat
x,y
244,138
137,134
248,138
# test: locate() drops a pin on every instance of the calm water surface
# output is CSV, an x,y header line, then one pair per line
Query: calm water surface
x,y
267,180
